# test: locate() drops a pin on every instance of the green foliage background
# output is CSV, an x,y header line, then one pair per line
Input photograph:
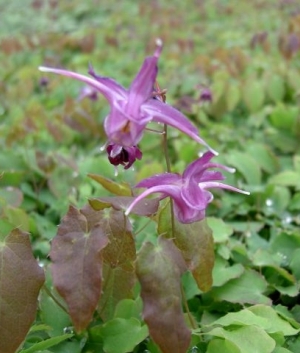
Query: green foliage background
x,y
247,53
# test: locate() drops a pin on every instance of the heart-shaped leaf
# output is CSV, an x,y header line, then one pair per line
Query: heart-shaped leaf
x,y
20,281
77,264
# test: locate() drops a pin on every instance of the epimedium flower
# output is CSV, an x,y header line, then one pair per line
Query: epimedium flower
x,y
125,156
189,190
132,109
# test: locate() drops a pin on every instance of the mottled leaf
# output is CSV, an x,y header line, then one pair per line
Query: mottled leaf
x,y
20,281
159,269
145,207
195,242
120,189
77,264
118,257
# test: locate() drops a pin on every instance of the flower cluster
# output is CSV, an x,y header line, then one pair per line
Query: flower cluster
x,y
130,111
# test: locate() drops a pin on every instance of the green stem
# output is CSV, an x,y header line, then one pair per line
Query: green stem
x,y
51,295
185,303
168,164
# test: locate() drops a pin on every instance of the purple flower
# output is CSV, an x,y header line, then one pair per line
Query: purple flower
x,y
125,156
132,109
189,190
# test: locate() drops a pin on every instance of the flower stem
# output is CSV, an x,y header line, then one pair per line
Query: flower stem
x,y
168,164
51,295
185,303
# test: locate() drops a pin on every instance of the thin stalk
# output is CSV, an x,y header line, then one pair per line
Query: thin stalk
x,y
185,303
51,295
168,164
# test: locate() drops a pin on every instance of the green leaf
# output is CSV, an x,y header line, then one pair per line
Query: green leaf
x,y
161,294
246,165
254,94
248,288
281,350
222,272
248,339
53,315
295,264
294,205
284,312
233,95
242,318
220,230
77,263
122,335
128,308
195,243
20,281
120,189
276,323
284,117
50,342
218,345
263,156
286,178
275,87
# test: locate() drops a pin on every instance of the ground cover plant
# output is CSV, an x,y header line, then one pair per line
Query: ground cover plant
x,y
87,265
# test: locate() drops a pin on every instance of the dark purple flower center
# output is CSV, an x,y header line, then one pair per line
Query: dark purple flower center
x,y
125,156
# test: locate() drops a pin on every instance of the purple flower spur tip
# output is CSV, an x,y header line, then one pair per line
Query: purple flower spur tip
x,y
189,190
133,108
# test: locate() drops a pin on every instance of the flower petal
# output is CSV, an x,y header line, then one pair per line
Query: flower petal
x,y
196,197
166,191
164,113
159,179
109,82
120,129
198,166
217,185
107,89
142,86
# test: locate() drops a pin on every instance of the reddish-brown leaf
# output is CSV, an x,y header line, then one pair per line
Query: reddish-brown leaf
x,y
159,269
20,281
77,264
195,242
118,257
